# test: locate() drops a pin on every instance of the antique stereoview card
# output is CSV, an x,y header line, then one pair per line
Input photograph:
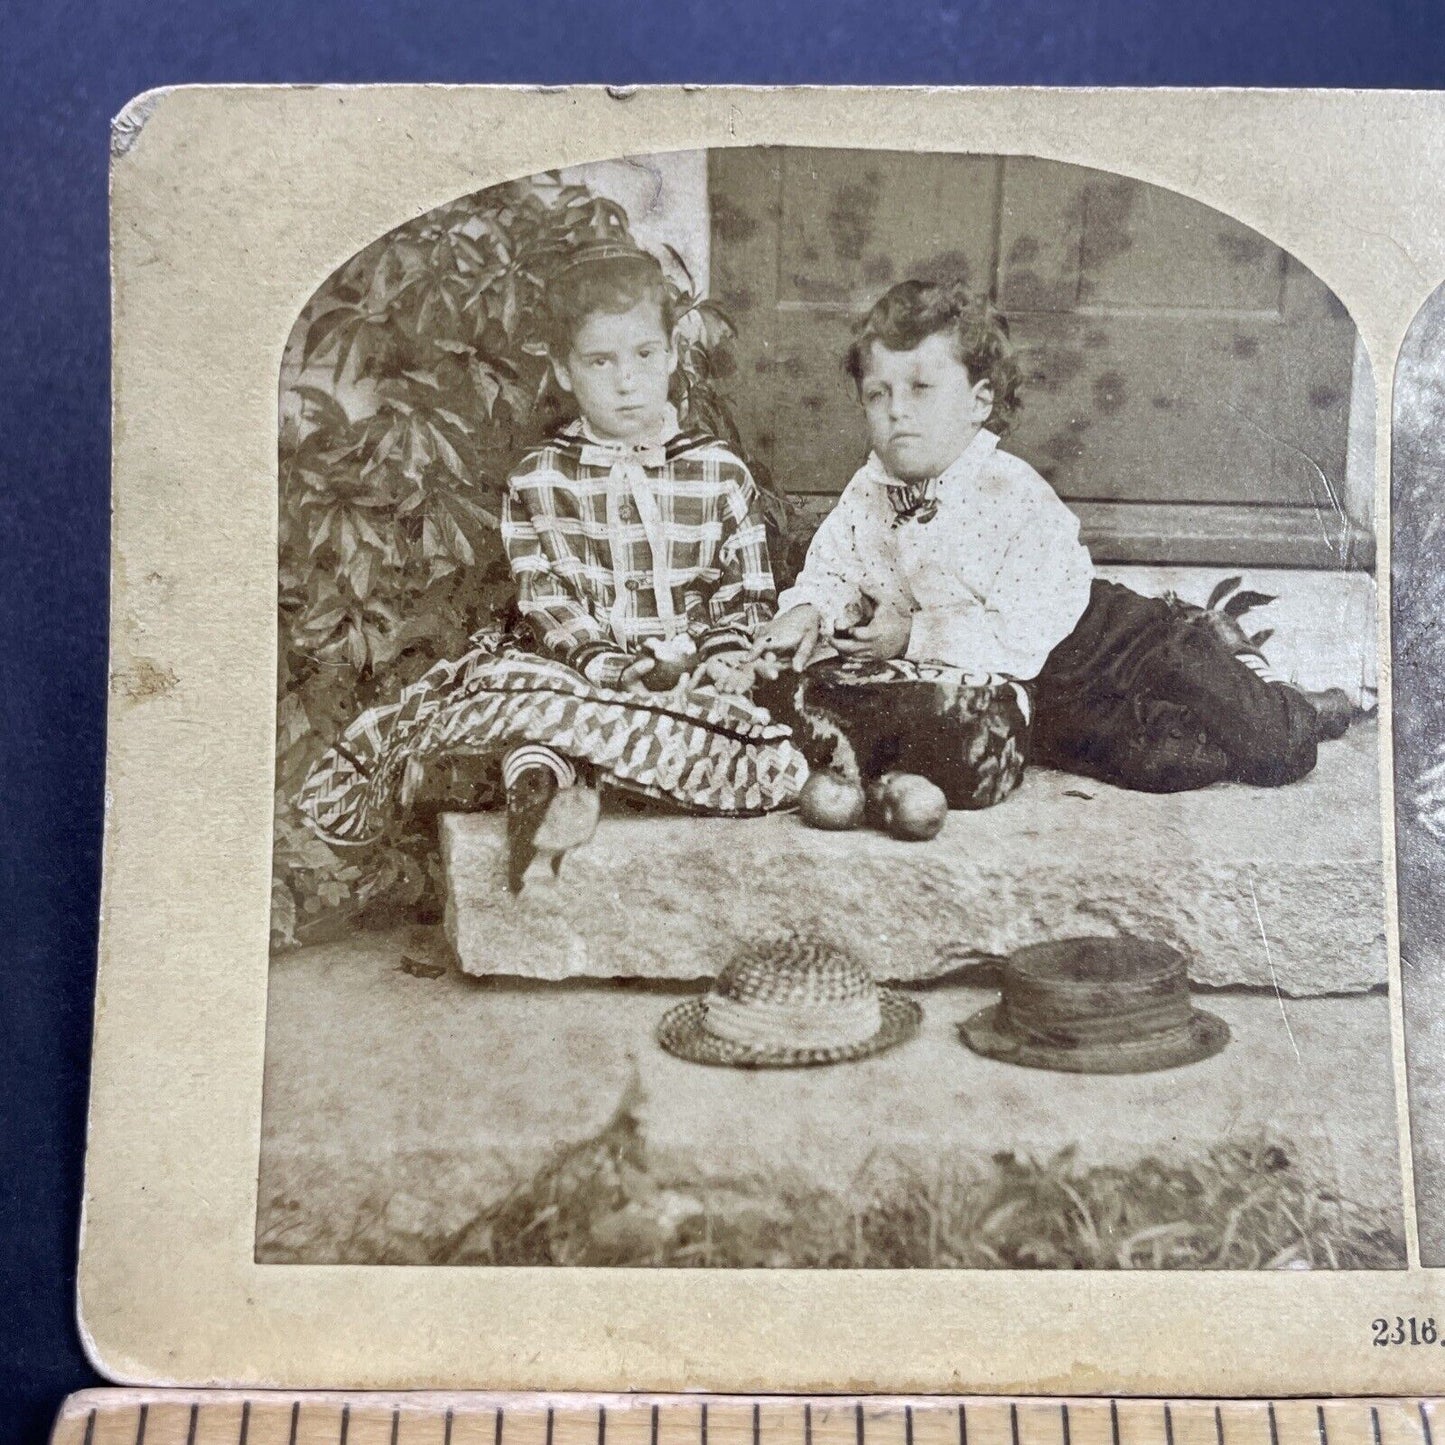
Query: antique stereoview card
x,y
760,740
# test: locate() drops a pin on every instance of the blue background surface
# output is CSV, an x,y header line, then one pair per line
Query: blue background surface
x,y
66,70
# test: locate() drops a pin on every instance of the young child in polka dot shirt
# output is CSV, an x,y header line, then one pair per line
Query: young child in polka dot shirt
x,y
950,562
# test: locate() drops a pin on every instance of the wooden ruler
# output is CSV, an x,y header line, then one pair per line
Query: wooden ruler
x,y
261,1417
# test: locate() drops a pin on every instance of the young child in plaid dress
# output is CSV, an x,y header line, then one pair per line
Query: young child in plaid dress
x,y
623,531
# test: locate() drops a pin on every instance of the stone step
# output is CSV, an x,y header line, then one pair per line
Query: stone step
x,y
1271,888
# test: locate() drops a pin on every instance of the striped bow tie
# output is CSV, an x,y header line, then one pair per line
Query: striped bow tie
x,y
914,501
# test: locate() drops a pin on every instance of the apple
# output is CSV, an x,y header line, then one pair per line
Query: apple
x,y
907,806
831,801
674,658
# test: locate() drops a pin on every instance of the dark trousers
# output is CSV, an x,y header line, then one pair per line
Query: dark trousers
x,y
1148,693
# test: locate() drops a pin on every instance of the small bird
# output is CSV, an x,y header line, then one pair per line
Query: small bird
x,y
544,817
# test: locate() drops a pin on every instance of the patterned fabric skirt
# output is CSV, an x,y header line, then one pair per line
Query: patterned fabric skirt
x,y
969,735
706,751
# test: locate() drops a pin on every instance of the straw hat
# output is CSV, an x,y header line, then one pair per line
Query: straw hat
x,y
1096,1006
789,1001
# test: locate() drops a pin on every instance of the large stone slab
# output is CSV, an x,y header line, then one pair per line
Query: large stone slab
x,y
1274,888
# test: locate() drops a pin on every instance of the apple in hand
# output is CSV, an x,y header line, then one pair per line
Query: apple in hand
x,y
674,658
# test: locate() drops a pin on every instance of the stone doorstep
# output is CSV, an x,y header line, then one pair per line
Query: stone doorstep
x,y
1270,888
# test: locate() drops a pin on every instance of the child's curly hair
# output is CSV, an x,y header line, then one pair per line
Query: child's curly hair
x,y
605,276
910,312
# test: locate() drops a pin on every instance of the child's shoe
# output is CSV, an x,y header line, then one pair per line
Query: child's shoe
x,y
1334,712
548,811
569,821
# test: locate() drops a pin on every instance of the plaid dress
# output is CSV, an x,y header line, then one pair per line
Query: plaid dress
x,y
609,547
612,546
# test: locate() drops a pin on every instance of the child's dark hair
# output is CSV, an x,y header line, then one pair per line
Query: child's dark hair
x,y
910,312
605,276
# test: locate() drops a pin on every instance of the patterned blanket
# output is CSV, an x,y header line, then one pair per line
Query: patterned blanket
x,y
707,751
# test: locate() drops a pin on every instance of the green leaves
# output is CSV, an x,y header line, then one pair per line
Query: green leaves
x,y
1221,590
1243,602
413,381
1240,602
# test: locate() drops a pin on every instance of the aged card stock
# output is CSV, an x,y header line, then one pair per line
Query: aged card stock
x,y
758,741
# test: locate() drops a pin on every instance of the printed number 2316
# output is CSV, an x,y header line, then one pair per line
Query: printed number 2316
x,y
1405,1331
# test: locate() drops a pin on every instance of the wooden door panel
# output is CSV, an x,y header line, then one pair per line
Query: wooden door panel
x,y
852,227
1179,410
1041,223
816,425
1146,247
1071,238
1209,393
746,199
1181,369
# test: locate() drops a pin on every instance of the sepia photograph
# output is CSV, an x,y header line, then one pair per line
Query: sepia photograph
x,y
826,717
1417,465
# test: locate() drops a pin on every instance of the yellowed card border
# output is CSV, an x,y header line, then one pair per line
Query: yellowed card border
x,y
229,206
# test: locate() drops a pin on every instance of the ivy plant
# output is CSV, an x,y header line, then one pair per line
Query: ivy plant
x,y
411,383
